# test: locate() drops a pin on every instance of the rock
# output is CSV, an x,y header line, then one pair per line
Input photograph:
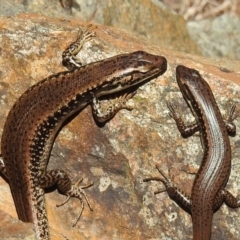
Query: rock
x,y
119,155
217,37
13,229
142,17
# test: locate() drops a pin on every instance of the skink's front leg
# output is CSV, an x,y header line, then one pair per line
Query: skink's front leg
x,y
185,130
230,126
103,112
69,59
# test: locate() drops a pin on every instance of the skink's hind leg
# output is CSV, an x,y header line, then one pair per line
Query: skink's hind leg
x,y
77,192
64,184
230,200
225,196
174,193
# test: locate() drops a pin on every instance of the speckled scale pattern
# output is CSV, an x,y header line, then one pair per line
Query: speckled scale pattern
x,y
215,168
208,191
36,117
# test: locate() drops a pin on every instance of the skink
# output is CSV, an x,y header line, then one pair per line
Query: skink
x,y
208,191
34,120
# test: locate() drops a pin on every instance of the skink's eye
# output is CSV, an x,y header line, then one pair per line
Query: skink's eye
x,y
185,77
195,73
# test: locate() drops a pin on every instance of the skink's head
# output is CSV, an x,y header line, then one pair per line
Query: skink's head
x,y
140,66
127,70
144,63
190,81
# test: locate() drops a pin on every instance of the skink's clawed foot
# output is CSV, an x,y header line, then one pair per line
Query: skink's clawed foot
x,y
105,110
122,100
228,120
174,111
169,186
77,192
171,189
69,55
233,114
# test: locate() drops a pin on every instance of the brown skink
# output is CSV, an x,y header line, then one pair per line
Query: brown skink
x,y
36,117
208,191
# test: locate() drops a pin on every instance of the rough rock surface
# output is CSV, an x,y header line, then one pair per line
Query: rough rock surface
x,y
142,17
